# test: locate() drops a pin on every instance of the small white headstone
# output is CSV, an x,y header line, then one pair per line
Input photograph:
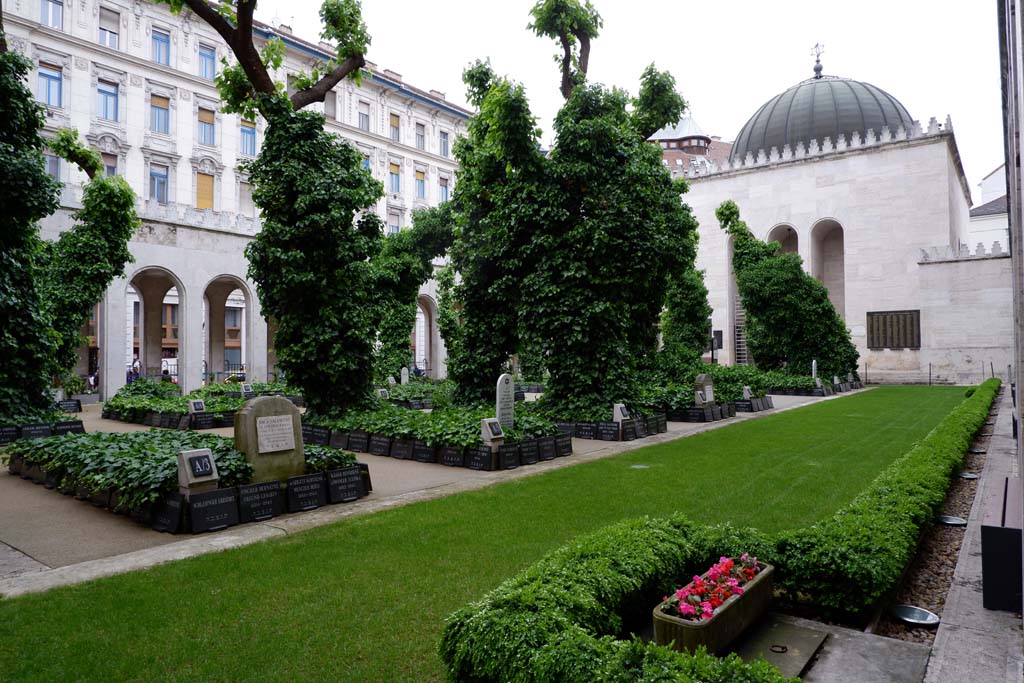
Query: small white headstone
x,y
383,393
505,403
817,382
835,379
814,369
197,471
491,431
247,391
620,412
747,394
391,381
405,375
196,405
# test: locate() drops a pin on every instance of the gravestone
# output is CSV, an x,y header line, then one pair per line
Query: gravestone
x,y
546,448
383,394
391,381
70,406
196,405
35,431
197,472
452,456
529,452
202,420
69,427
268,431
814,369
704,391
247,391
405,375
307,492
257,502
747,394
166,513
345,484
817,382
505,404
213,510
9,433
491,432
619,413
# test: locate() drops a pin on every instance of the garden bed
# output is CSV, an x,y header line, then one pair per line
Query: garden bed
x,y
136,474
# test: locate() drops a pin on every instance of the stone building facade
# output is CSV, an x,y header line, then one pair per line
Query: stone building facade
x,y
877,207
137,83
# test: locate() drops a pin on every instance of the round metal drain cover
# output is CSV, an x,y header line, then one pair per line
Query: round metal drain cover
x,y
639,467
915,616
949,520
968,475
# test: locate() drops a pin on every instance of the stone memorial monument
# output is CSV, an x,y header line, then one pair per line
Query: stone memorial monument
x,y
268,431
491,432
704,391
505,403
391,381
747,393
197,472
814,369
405,375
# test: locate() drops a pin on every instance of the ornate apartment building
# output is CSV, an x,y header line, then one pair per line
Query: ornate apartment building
x,y
137,82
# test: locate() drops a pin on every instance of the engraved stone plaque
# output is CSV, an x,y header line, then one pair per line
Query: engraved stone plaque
x,y
275,433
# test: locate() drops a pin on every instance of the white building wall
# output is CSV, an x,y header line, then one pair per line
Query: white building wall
x,y
892,201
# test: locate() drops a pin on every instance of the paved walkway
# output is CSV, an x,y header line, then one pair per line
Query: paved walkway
x,y
973,643
49,540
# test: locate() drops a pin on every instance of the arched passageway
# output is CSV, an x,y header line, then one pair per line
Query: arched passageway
x,y
828,260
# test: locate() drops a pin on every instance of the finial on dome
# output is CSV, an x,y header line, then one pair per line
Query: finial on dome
x,y
816,51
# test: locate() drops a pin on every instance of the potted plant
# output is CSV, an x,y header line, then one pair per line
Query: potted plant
x,y
715,607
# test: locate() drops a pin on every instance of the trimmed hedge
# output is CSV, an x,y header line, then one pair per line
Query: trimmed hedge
x,y
561,618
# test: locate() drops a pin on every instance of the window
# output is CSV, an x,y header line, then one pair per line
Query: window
x,y
207,62
52,166
110,23
443,144
106,108
204,191
364,116
394,223
51,13
51,87
207,127
395,176
331,105
232,318
246,207
159,114
395,128
110,164
894,330
366,161
421,136
421,185
248,138
442,186
161,47
158,183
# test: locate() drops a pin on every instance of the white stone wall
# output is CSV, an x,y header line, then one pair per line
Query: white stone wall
x,y
892,200
195,246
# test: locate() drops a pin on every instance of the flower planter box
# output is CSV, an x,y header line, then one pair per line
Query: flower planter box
x,y
729,620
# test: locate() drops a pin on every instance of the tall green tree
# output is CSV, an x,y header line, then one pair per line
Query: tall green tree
x,y
685,326
47,290
567,254
790,320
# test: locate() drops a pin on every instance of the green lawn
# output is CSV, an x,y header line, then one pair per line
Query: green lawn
x,y
365,599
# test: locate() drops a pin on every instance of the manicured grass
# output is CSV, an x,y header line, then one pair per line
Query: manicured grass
x,y
365,599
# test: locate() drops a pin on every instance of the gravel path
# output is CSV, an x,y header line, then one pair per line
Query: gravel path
x,y
931,572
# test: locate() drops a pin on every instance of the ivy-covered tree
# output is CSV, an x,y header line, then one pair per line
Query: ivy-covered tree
x,y
685,330
790,320
405,262
567,254
47,290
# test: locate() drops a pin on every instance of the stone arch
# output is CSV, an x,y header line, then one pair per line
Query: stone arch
x,y
425,336
786,235
828,260
228,334
159,329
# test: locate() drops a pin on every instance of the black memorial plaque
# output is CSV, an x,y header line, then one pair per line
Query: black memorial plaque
x,y
421,452
68,427
745,406
35,431
452,456
379,444
401,449
345,484
151,420
166,514
213,510
608,431
520,396
226,419
716,413
563,445
260,501
480,458
9,433
184,422
546,448
201,465
70,405
508,456
307,492
629,430
428,403
586,430
641,426
234,394
566,427
358,441
315,435
338,440
529,452
415,403
768,401
662,423
202,421
169,420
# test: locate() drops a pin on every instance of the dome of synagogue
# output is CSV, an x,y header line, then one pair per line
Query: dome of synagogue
x,y
820,107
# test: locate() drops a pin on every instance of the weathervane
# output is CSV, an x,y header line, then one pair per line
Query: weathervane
x,y
816,51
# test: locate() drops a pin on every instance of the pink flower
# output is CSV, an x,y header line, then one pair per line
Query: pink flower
x,y
737,590
687,609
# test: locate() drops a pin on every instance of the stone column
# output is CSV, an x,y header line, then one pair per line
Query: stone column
x,y
216,298
190,339
113,361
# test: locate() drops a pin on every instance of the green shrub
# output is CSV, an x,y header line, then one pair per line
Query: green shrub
x,y
559,618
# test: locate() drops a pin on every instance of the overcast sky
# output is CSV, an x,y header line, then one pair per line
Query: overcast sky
x,y
728,56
